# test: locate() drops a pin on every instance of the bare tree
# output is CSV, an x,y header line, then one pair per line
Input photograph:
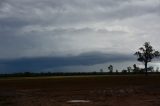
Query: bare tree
x,y
146,54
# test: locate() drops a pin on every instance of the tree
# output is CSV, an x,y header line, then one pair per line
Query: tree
x,y
146,54
151,69
101,70
124,71
110,68
157,69
136,69
129,69
117,71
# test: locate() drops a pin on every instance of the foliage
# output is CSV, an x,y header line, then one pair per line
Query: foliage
x,y
146,54
110,68
129,69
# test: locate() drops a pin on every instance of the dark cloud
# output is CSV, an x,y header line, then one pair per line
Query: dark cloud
x,y
44,63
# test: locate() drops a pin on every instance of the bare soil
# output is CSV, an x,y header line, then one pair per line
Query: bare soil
x,y
98,90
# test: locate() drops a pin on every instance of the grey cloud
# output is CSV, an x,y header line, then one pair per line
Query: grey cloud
x,y
75,12
55,42
39,28
70,13
44,63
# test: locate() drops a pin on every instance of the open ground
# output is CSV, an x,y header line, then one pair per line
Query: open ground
x,y
134,90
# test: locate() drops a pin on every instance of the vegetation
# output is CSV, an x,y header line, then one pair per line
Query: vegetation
x,y
110,68
128,71
146,54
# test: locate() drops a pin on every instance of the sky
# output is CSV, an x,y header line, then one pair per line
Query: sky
x,y
75,35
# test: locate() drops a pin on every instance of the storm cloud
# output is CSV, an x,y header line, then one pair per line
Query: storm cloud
x,y
44,63
54,29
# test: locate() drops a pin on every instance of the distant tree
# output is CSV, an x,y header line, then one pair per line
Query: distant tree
x,y
151,69
110,68
157,69
129,69
146,54
135,68
101,70
116,71
124,71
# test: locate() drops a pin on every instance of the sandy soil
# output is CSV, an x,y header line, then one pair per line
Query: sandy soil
x,y
99,91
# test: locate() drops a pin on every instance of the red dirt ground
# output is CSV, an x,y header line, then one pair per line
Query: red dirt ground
x,y
99,90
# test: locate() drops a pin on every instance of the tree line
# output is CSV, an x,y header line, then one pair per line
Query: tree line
x,y
132,70
41,74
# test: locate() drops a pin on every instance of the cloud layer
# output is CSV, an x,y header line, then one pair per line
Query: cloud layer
x,y
51,28
56,63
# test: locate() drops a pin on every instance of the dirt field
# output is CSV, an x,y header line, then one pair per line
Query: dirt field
x,y
96,90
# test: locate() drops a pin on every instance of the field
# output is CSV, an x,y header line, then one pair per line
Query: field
x,y
94,90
